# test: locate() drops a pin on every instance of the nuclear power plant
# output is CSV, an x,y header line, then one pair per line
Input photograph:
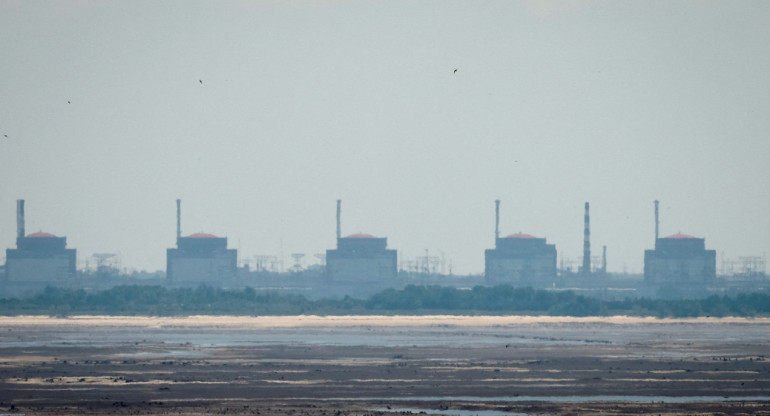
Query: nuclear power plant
x,y
39,258
200,258
679,260
361,261
519,259
361,264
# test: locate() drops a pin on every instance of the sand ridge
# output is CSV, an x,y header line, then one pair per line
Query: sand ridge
x,y
299,321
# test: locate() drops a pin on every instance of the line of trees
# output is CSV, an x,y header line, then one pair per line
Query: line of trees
x,y
500,300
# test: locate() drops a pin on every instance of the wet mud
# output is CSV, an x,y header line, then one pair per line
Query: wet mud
x,y
202,367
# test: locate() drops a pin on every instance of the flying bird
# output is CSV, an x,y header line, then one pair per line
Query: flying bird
x,y
201,81
68,102
455,71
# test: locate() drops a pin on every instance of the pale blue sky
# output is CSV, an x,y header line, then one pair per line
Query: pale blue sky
x,y
303,102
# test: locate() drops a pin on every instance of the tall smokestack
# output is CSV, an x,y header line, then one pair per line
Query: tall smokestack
x,y
339,213
497,220
178,221
604,259
20,233
587,244
657,223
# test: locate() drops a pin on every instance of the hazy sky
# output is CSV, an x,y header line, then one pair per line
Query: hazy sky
x,y
554,103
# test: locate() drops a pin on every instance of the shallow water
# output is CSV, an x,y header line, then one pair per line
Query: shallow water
x,y
451,412
566,399
567,333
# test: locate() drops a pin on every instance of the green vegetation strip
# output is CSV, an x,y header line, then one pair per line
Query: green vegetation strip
x,y
412,300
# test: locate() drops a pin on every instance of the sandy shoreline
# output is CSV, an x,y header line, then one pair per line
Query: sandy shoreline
x,y
325,365
350,321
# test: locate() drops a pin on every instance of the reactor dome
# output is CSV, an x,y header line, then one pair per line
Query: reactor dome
x,y
521,235
360,235
679,236
202,235
40,234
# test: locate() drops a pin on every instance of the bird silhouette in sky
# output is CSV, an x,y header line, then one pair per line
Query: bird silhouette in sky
x,y
455,71
201,81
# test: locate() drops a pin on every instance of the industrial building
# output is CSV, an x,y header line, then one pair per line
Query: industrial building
x,y
519,259
40,258
362,265
678,260
361,259
200,259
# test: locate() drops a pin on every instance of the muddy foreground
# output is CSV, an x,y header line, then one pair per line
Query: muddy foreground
x,y
356,366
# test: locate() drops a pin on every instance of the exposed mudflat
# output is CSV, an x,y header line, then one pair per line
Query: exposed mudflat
x,y
379,365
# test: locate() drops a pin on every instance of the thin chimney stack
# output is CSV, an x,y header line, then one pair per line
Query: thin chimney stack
x,y
497,220
20,233
178,221
604,259
657,223
587,243
339,214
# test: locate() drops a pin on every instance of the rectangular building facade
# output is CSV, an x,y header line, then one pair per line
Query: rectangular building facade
x,y
679,259
40,258
361,259
201,259
521,260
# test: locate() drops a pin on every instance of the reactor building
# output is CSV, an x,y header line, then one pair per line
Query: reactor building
x,y
678,260
519,259
361,260
39,259
200,259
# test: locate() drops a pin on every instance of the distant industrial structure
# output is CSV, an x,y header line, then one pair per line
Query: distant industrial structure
x,y
586,269
361,260
519,259
362,264
679,260
200,258
40,258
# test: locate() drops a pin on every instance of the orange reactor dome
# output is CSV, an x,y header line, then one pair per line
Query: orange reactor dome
x,y
360,235
521,235
40,234
202,235
680,236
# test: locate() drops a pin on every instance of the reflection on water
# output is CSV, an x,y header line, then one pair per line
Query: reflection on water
x,y
566,399
545,334
159,354
451,412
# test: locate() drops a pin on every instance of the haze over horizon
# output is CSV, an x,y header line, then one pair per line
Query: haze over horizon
x,y
260,115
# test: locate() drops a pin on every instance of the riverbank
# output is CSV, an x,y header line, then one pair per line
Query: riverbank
x,y
355,365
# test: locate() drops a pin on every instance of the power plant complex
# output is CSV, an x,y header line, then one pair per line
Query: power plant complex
x,y
679,260
40,259
362,264
199,258
519,259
